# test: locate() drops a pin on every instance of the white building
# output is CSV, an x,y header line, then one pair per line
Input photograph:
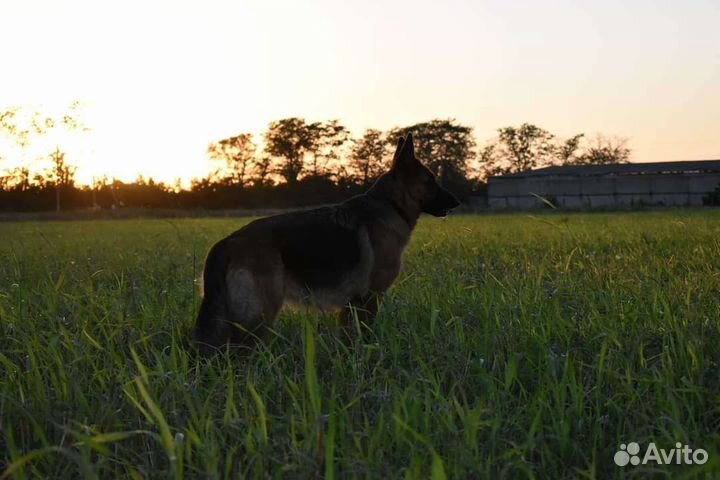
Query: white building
x,y
608,186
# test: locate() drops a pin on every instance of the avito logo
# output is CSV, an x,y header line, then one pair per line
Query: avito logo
x,y
680,455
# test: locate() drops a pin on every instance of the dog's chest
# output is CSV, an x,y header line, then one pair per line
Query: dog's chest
x,y
388,247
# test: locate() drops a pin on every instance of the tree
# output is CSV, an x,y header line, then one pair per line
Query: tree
x,y
289,140
327,139
62,175
517,149
21,126
567,151
368,156
25,125
238,154
261,173
17,179
521,148
444,146
304,147
604,149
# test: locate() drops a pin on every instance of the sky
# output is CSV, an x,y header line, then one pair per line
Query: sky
x,y
159,80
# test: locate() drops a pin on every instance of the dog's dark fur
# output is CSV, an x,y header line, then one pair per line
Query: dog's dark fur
x,y
345,256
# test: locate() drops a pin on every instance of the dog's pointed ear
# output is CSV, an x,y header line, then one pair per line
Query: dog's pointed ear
x,y
398,149
409,146
405,153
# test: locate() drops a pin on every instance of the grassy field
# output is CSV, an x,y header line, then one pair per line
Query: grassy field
x,y
514,346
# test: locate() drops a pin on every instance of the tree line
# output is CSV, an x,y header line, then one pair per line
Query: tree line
x,y
297,163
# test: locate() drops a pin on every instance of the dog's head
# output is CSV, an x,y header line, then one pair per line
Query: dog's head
x,y
418,181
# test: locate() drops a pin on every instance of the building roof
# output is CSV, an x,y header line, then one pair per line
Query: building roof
x,y
692,166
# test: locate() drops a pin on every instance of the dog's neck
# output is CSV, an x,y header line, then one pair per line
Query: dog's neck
x,y
386,189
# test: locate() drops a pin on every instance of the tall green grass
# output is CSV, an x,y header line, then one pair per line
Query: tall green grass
x,y
511,346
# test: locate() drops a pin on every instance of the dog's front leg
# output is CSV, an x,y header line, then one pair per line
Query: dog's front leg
x,y
363,308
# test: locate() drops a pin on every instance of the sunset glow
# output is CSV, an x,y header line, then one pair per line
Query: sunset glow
x,y
158,81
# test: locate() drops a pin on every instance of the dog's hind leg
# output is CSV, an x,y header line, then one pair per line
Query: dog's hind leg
x,y
210,328
254,300
210,323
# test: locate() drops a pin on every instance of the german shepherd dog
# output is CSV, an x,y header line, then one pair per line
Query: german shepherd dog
x,y
340,257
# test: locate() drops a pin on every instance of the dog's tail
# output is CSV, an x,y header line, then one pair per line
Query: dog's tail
x,y
210,328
